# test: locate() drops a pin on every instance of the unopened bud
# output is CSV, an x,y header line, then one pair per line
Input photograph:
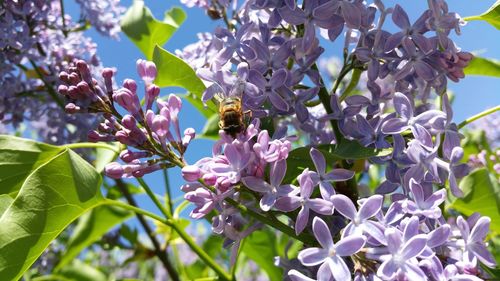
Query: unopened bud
x,y
152,92
191,173
147,70
114,170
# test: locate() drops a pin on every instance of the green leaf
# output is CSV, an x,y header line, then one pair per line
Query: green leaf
x,y
18,158
299,158
260,246
492,15
173,71
483,66
105,156
481,194
51,196
80,271
90,228
145,31
211,128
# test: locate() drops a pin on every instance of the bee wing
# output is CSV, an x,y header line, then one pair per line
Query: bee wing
x,y
219,97
238,88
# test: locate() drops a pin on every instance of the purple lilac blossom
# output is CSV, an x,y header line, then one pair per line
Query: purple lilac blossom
x,y
38,40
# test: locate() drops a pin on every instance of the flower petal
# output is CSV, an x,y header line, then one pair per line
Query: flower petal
x,y
344,206
312,256
370,207
350,245
322,233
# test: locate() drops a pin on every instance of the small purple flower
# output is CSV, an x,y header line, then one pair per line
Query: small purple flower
x,y
401,260
330,254
474,240
271,89
324,178
291,202
360,223
237,161
271,190
405,109
424,204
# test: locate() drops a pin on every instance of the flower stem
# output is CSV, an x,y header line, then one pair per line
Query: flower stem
x,y
159,252
49,87
356,74
91,145
64,30
478,116
153,197
168,191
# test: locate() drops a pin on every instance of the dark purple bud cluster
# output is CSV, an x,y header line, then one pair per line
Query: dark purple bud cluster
x,y
155,137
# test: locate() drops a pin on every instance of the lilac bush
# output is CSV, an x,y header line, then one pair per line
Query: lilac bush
x,y
308,143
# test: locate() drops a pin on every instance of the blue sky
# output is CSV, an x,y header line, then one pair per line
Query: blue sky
x,y
473,94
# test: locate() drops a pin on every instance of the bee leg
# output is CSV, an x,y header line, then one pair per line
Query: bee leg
x,y
221,124
247,115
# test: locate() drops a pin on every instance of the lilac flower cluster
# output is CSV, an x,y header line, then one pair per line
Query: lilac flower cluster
x,y
103,15
267,54
40,45
152,137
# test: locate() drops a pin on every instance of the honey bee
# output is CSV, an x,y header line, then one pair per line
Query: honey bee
x,y
231,115
232,118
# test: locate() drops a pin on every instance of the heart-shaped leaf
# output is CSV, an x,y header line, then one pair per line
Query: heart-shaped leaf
x,y
53,192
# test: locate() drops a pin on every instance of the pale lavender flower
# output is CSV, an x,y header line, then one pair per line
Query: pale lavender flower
x,y
401,261
329,256
359,220
272,190
104,16
323,178
423,203
474,240
292,201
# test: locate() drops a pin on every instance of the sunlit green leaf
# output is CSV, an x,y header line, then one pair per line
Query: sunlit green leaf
x,y
481,194
492,15
260,246
145,31
211,128
90,228
172,71
79,271
51,196
483,66
19,157
105,156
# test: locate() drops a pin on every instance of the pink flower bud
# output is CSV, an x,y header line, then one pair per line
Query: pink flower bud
x,y
160,126
128,100
174,105
71,108
131,85
107,74
129,122
191,173
147,70
189,135
84,88
63,90
129,156
152,92
83,69
114,170
64,76
73,92
210,179
74,78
